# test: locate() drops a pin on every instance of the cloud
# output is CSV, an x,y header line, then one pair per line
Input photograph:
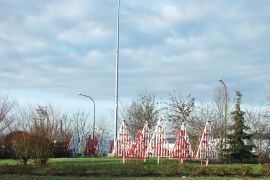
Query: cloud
x,y
64,46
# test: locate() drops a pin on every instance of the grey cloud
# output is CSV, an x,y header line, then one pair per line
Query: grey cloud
x,y
70,46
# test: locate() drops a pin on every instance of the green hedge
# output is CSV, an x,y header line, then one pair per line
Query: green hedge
x,y
16,169
265,169
131,169
226,170
154,170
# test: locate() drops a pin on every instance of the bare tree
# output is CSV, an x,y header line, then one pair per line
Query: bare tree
x,y
66,125
20,138
6,105
52,119
79,132
267,114
16,142
222,109
204,112
180,109
103,132
143,109
260,130
79,120
41,126
23,118
219,102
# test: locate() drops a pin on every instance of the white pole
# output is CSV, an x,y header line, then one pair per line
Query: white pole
x,y
116,77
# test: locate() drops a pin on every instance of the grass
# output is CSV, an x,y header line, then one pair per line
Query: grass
x,y
81,160
64,161
255,168
9,162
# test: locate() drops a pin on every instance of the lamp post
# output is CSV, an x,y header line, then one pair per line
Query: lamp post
x,y
116,74
94,121
225,111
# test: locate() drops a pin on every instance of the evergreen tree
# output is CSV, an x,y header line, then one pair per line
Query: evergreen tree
x,y
239,150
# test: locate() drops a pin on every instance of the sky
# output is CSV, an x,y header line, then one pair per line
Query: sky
x,y
52,49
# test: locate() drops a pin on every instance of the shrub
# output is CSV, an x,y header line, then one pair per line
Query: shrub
x,y
29,145
41,149
77,170
169,170
16,169
21,145
149,170
187,169
225,170
6,152
239,170
59,150
265,169
52,171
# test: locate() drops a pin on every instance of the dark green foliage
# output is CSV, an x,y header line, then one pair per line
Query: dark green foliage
x,y
265,169
239,150
16,169
59,150
172,169
6,152
77,170
226,170
99,167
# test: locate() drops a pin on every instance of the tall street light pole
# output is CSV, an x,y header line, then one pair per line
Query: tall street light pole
x,y
225,112
116,74
94,120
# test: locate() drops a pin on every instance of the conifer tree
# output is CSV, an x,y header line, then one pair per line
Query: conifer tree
x,y
239,147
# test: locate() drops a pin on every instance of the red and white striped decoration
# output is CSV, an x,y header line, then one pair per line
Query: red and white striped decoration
x,y
182,147
205,148
123,141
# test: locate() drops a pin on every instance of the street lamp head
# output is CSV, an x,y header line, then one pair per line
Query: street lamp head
x,y
80,94
220,80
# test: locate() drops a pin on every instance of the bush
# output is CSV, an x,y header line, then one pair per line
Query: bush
x,y
225,170
21,145
169,170
41,149
144,169
29,145
76,170
188,169
6,152
149,170
265,169
17,169
59,150
52,171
